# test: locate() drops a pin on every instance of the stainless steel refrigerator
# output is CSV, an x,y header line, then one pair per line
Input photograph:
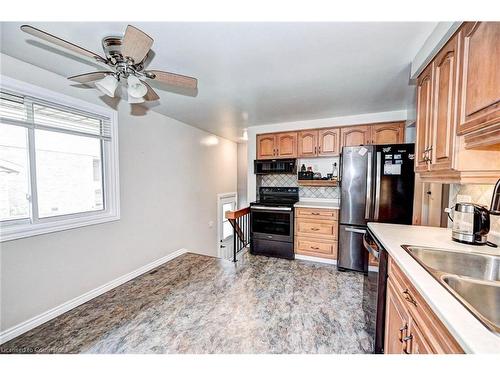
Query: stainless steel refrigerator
x,y
377,184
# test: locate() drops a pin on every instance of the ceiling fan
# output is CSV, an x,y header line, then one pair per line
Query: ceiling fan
x,y
125,56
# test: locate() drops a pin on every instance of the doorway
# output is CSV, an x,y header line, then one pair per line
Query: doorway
x,y
225,202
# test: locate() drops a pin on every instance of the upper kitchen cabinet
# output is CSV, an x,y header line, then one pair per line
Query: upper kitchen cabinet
x,y
443,115
423,124
328,142
286,145
479,110
307,143
277,145
458,131
266,146
355,135
387,133
318,142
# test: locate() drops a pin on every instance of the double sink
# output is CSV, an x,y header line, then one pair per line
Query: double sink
x,y
472,278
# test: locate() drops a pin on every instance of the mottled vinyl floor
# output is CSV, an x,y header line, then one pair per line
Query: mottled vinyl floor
x,y
200,304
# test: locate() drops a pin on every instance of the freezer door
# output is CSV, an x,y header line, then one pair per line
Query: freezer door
x,y
356,199
394,184
352,254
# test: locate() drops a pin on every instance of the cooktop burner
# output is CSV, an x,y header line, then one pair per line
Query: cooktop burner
x,y
277,196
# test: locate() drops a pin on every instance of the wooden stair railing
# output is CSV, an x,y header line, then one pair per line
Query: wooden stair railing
x,y
240,221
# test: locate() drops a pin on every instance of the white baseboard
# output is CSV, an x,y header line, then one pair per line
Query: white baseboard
x,y
315,259
31,323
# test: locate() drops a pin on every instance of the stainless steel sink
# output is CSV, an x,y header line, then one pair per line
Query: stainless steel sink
x,y
472,278
481,296
478,266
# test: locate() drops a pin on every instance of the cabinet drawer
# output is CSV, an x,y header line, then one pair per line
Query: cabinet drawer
x,y
317,228
437,335
314,247
317,213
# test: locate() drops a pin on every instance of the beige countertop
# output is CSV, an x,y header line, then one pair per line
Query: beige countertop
x,y
331,204
469,332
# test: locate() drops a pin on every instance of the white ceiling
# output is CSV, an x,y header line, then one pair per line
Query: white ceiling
x,y
254,73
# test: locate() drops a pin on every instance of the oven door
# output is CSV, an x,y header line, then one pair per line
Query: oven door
x,y
272,223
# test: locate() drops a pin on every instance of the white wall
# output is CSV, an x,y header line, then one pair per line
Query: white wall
x,y
242,175
310,124
169,180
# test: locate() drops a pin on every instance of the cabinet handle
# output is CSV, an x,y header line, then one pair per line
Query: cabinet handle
x,y
314,247
314,229
407,340
315,213
409,297
315,150
401,330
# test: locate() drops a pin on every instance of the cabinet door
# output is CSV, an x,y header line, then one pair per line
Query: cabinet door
x,y
286,145
480,76
443,107
307,143
383,134
266,146
424,94
328,142
355,135
418,343
396,323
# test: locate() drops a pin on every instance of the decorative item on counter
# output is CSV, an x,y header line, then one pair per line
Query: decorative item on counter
x,y
335,171
306,175
309,169
303,168
329,176
317,176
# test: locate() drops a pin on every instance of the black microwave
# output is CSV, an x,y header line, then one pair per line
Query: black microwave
x,y
275,166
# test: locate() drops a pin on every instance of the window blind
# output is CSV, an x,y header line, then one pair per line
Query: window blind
x,y
40,114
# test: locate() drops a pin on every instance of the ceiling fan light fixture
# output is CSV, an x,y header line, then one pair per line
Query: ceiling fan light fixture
x,y
134,100
136,88
107,85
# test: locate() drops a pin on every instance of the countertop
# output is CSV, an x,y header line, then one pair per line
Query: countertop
x,y
331,204
469,332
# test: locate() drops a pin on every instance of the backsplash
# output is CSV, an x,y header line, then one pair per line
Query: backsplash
x,y
480,194
290,180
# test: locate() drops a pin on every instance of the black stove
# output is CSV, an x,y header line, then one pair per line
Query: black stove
x,y
272,219
277,197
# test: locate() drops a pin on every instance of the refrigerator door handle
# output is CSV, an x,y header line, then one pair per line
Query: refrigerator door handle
x,y
377,185
368,203
355,230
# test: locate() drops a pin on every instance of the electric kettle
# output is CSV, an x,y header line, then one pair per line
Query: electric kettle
x,y
471,224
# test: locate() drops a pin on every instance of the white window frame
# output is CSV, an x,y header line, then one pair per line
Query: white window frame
x,y
21,228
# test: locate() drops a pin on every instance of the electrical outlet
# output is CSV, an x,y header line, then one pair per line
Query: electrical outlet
x,y
463,198
210,224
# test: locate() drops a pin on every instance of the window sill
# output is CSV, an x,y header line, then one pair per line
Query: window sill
x,y
14,232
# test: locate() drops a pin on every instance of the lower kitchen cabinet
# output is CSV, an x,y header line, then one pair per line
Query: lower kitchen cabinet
x,y
410,325
316,232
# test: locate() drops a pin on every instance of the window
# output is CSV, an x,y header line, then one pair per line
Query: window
x,y
58,162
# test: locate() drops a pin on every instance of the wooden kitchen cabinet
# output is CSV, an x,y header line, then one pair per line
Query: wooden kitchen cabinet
x,y
442,132
411,326
266,146
458,119
318,142
479,112
387,133
307,143
316,232
277,145
423,124
286,145
329,142
355,135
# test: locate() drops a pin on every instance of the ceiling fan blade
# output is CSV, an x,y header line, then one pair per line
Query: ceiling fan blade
x,y
136,44
173,79
89,77
61,42
151,95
